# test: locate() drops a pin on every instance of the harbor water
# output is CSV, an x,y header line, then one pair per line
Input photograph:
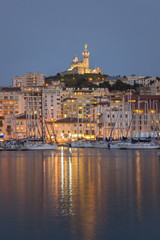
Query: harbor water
x,y
80,194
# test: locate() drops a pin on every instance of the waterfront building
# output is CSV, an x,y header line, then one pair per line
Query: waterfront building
x,y
48,98
79,102
2,128
20,124
131,115
9,129
80,105
33,100
27,126
52,103
102,117
81,67
116,122
11,101
145,114
69,107
30,103
112,119
43,104
69,129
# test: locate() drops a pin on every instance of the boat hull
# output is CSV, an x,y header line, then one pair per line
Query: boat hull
x,y
36,147
138,146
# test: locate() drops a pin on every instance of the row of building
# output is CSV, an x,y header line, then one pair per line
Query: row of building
x,y
33,108
69,114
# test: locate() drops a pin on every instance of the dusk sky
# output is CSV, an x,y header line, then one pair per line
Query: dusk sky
x,y
123,36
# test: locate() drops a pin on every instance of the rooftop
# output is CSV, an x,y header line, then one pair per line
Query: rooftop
x,y
70,120
10,89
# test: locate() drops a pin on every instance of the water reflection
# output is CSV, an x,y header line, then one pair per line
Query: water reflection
x,y
138,186
87,193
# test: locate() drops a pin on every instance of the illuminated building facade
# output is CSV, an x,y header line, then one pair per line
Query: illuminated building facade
x,y
17,81
81,67
11,101
68,129
155,88
29,80
52,103
79,102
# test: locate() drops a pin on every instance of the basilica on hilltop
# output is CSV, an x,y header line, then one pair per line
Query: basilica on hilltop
x,y
81,67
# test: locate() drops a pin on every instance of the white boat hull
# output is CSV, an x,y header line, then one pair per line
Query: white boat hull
x,y
82,145
138,146
102,145
43,146
114,146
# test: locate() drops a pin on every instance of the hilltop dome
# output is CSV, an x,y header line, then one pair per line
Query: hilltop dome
x,y
75,59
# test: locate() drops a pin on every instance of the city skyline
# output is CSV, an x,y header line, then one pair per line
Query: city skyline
x,y
44,36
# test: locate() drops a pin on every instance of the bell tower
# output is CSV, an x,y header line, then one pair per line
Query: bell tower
x,y
86,59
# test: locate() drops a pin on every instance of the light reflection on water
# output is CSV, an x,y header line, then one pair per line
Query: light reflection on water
x,y
79,194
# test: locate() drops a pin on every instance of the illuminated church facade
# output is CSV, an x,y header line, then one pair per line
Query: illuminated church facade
x,y
81,67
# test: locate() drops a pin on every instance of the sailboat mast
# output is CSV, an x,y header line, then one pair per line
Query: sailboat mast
x,y
97,117
37,119
139,125
34,118
90,122
43,115
82,123
122,115
31,116
118,121
131,115
78,124
26,116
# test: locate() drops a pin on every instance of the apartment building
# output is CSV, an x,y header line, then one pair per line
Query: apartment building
x,y
8,127
134,79
79,103
145,81
29,80
52,103
17,81
33,100
155,88
11,101
69,129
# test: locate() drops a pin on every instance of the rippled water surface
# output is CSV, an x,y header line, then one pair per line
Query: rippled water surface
x,y
79,194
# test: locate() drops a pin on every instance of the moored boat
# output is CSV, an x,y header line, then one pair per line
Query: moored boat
x,y
101,144
38,146
139,145
82,144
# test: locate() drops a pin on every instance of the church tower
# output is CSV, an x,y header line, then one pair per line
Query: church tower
x,y
85,59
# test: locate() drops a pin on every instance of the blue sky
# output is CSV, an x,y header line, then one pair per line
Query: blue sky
x,y
123,36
